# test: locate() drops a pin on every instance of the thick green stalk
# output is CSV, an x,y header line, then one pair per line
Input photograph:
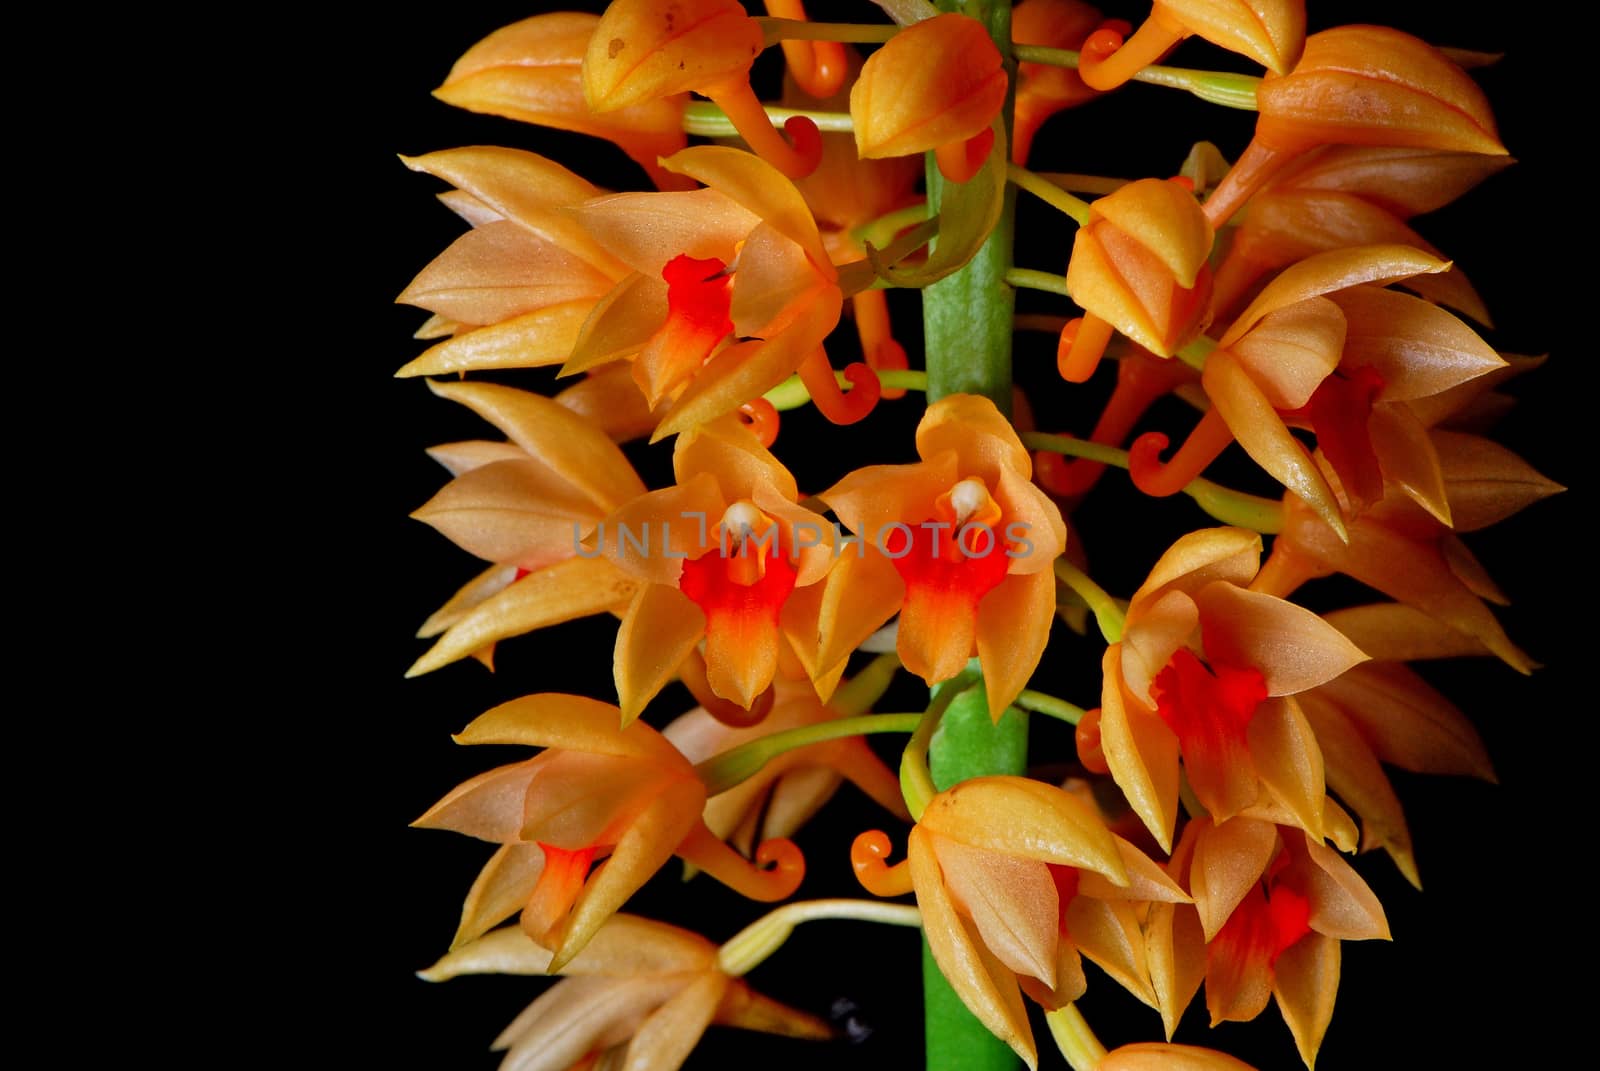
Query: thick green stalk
x,y
967,323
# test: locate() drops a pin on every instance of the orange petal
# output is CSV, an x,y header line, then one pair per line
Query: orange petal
x,y
1271,32
620,324
869,499
1017,816
1198,558
1012,629
1305,982
1395,632
571,723
1175,949
660,629
1161,629
1033,522
760,188
1408,458
1484,482
610,400
488,806
1165,219
1404,181
1371,85
1418,348
987,989
1238,975
1408,723
500,890
1354,773
484,586
669,1033
652,535
1229,860
646,230
1329,272
863,590
561,592
734,457
498,271
772,269
1292,647
1141,752
1291,350
746,1009
1261,431
936,81
1147,881
1109,934
512,511
553,434
1289,762
1011,900
1342,905
638,54
576,1016
532,340
1162,1056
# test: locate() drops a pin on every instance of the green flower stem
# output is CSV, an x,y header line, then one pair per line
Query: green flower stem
x,y
1029,279
1195,353
1105,609
1076,1041
1215,87
1264,515
792,394
916,780
737,764
750,947
967,328
774,30
1049,192
1099,185
1049,705
706,120
856,696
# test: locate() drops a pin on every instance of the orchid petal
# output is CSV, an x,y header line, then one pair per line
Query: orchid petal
x,y
1306,981
760,188
1013,628
500,890
1165,219
1292,647
1229,859
1408,458
1484,482
1291,350
1395,632
534,339
620,324
1288,760
1142,753
659,630
498,271
668,1034
1418,348
1011,900
1018,816
484,586
1108,933
1196,559
1408,723
646,230
511,511
1354,773
571,723
488,806
735,457
1342,905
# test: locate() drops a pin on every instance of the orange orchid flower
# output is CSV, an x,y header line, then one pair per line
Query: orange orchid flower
x,y
1341,196
1043,89
599,790
524,505
1358,85
514,291
1165,1056
643,50
1015,879
1383,712
1206,671
961,544
792,787
820,68
1271,904
936,85
532,71
717,557
641,992
1271,32
1324,347
742,257
1138,266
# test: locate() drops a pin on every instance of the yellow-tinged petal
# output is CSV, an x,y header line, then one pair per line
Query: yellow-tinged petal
x,y
1329,272
1147,881
1163,1056
1260,430
620,324
648,843
1012,630
1291,350
524,188
1291,646
505,951
991,995
484,586
1483,481
488,806
1408,723
937,81
659,630
1417,347
500,890
1305,980
561,592
1354,773
735,458
1402,180
772,269
983,441
760,188
1395,632
646,230
571,723
498,271
652,535
875,496
1229,860
746,1009
1198,558
668,1034
512,511
643,49
1028,818
1165,218
803,531
1408,458
1175,949
1342,905
626,945
534,339
1371,85
1011,900
1271,32
1141,751
1108,933
863,590
1032,521
553,434
576,1016
748,369
1148,644
1288,760
610,400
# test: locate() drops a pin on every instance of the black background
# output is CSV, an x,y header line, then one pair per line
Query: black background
x,y
1470,977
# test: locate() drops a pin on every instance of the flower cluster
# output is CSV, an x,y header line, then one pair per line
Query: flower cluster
x,y
1233,756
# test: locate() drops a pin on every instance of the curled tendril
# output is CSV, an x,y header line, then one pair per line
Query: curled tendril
x,y
761,418
867,855
1157,478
